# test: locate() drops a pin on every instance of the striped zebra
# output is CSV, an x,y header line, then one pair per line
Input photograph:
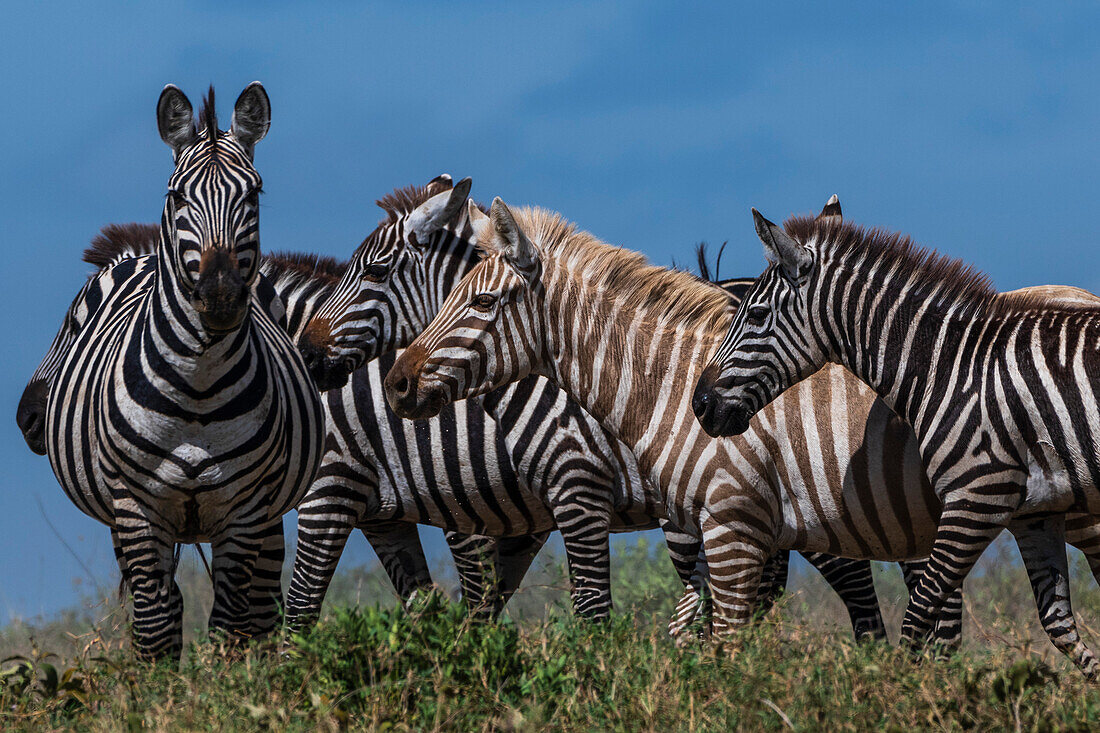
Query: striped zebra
x,y
182,412
397,281
1000,391
827,467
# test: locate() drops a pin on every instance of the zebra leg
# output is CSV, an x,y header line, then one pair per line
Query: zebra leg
x,y
516,555
584,522
1083,532
323,530
735,560
235,551
686,552
477,560
969,522
147,562
948,633
1042,546
266,593
398,547
773,581
853,582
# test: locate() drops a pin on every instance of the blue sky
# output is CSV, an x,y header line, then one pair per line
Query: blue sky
x,y
971,126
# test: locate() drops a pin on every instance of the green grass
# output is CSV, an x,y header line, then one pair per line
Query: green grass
x,y
379,667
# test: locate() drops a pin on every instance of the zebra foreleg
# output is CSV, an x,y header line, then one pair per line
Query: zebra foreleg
x,y
398,547
235,551
686,552
323,530
1042,546
266,593
584,523
147,562
735,560
477,560
948,633
853,582
968,524
516,555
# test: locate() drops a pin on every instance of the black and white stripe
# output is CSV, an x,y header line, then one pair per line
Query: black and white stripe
x,y
182,412
999,389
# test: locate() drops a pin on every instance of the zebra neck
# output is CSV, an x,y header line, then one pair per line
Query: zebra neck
x,y
173,333
878,330
301,303
449,258
632,370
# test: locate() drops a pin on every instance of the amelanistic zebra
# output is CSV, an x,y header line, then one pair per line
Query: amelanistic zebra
x,y
826,467
397,281
183,412
1000,390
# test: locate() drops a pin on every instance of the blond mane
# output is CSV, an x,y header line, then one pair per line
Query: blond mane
x,y
673,296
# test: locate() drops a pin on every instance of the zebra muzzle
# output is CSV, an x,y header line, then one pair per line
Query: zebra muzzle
x,y
719,415
30,416
220,296
411,399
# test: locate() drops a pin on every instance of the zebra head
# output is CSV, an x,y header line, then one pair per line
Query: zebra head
x,y
394,284
210,226
114,245
769,345
30,415
488,332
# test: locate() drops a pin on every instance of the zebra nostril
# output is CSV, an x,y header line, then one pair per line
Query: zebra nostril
x,y
401,387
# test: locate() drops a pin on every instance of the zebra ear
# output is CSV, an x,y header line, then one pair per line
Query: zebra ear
x,y
439,184
832,210
780,248
432,215
479,221
510,240
175,119
251,116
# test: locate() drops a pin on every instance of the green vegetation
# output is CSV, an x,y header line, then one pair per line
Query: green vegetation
x,y
380,667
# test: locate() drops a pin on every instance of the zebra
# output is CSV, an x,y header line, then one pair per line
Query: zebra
x,y
182,412
999,390
396,282
827,467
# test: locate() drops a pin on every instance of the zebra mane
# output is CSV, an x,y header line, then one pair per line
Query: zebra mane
x,y
117,242
925,272
684,299
304,267
401,201
209,117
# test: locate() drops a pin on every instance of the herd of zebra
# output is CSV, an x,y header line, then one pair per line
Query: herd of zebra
x,y
869,401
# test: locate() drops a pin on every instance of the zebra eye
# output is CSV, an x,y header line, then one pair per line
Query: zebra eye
x,y
757,315
375,273
178,201
484,301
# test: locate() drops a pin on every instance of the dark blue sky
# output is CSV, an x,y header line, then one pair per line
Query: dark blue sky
x,y
972,127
